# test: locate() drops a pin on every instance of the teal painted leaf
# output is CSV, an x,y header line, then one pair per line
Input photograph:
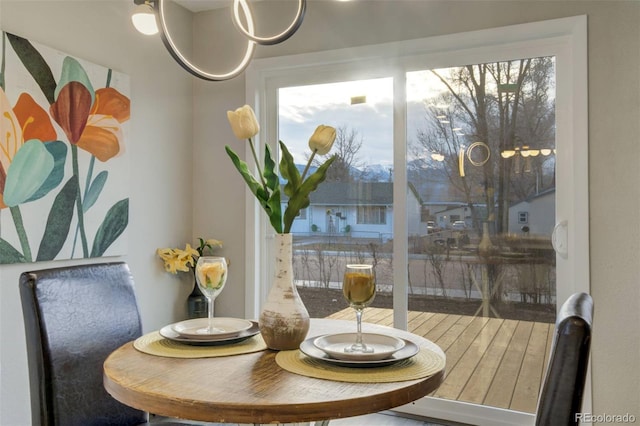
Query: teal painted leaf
x,y
8,254
94,190
35,64
114,224
73,71
28,171
59,151
59,221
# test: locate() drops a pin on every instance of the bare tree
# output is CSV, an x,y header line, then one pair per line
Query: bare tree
x,y
438,265
497,106
345,147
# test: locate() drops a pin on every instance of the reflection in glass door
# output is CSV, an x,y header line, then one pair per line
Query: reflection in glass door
x,y
481,155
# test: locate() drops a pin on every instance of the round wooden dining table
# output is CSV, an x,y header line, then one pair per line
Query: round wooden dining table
x,y
252,388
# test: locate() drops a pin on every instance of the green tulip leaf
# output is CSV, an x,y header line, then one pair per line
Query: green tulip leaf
x,y
114,224
58,150
73,71
59,221
273,183
35,64
256,188
275,212
94,190
30,168
300,199
8,254
316,178
289,171
270,174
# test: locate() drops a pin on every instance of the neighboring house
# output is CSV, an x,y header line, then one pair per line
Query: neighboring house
x,y
533,214
447,213
363,209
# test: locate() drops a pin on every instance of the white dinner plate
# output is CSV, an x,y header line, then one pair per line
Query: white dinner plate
x,y
168,333
335,345
226,327
309,349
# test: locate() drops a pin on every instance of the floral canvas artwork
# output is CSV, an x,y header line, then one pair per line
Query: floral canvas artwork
x,y
63,164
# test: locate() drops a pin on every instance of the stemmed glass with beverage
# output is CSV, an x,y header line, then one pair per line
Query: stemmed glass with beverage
x,y
359,288
211,276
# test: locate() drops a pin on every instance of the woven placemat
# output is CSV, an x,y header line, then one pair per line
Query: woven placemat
x,y
154,344
424,364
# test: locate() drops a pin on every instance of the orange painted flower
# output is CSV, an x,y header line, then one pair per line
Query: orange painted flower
x,y
103,133
111,102
34,120
71,109
91,120
24,129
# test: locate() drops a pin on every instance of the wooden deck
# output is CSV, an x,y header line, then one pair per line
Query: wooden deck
x,y
490,361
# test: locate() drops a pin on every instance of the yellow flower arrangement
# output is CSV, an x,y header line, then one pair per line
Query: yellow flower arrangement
x,y
178,260
211,275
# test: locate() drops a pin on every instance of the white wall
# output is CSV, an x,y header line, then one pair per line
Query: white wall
x,y
614,151
160,146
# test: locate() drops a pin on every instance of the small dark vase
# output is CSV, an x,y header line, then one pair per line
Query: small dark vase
x,y
197,303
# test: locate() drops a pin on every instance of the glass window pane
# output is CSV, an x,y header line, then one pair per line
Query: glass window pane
x,y
349,216
481,155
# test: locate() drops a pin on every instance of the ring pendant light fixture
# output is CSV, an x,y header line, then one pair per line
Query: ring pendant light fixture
x,y
239,8
275,39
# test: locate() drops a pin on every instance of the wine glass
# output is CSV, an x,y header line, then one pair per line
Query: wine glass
x,y
211,276
359,288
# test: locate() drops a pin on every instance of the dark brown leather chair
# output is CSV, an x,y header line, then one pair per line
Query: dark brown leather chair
x,y
563,388
74,318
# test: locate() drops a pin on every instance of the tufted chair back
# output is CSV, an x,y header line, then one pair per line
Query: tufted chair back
x,y
74,318
563,388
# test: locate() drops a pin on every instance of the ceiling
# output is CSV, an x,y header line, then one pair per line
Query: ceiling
x,y
202,5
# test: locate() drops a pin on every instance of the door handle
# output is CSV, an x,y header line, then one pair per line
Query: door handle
x,y
560,238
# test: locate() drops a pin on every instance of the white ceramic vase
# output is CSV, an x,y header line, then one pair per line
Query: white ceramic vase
x,y
284,320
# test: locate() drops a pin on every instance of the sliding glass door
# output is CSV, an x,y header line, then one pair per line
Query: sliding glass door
x,y
482,282
460,182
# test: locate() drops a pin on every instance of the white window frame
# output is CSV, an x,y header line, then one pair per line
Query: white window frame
x,y
565,39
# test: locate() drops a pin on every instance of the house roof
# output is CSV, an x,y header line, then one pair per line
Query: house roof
x,y
355,193
544,193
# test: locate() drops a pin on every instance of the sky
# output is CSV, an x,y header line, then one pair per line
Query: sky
x,y
303,108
